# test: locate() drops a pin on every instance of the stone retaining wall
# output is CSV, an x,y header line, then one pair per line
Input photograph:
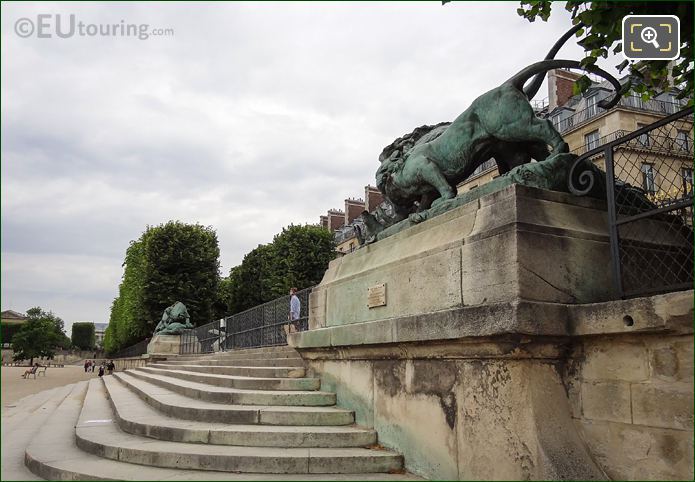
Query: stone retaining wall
x,y
632,399
607,395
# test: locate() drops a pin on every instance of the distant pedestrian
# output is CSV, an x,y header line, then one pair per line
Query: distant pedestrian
x,y
295,309
93,365
111,366
87,364
101,370
31,371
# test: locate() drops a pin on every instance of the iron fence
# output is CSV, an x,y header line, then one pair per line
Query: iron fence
x,y
139,349
631,102
649,194
260,326
667,146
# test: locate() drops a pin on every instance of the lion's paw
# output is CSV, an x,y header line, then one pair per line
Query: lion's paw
x,y
416,218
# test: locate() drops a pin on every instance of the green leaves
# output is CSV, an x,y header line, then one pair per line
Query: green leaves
x,y
532,9
168,263
297,257
603,30
39,336
83,335
581,85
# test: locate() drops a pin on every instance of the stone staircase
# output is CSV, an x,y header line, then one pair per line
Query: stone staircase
x,y
243,415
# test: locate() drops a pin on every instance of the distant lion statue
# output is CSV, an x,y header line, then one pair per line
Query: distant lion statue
x,y
175,319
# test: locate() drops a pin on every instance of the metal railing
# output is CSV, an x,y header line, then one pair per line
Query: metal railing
x,y
344,233
630,102
649,194
139,349
667,146
256,327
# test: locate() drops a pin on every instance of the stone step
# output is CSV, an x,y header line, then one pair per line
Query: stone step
x,y
267,352
251,356
136,417
264,349
174,404
260,372
97,433
231,381
210,393
241,362
20,424
54,455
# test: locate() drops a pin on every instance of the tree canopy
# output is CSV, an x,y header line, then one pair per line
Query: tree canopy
x,y
297,257
83,335
168,263
39,336
602,32
179,262
63,340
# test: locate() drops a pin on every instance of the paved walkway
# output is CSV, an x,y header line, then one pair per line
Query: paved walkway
x,y
15,388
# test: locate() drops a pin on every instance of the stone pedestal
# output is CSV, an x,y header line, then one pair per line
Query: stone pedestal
x,y
483,344
164,345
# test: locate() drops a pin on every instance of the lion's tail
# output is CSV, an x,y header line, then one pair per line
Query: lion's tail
x,y
518,80
532,89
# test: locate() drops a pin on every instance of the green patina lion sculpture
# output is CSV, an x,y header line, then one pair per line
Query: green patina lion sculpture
x,y
422,170
500,124
175,319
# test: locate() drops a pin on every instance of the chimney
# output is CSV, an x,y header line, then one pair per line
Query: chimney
x,y
372,198
560,84
336,218
353,208
323,221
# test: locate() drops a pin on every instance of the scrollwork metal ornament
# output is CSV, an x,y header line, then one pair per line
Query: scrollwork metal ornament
x,y
581,177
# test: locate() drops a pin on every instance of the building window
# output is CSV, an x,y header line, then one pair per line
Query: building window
x,y
682,141
648,178
591,140
644,138
556,121
591,107
635,100
489,164
687,176
668,106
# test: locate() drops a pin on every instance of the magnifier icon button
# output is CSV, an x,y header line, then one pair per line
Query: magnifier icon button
x,y
648,35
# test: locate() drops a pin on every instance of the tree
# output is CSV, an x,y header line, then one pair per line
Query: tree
x,y
301,256
297,257
603,31
168,263
181,264
83,335
57,323
253,278
128,319
38,337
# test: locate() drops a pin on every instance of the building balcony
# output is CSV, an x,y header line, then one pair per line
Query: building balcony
x,y
632,103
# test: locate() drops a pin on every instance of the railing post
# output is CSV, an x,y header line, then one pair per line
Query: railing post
x,y
612,226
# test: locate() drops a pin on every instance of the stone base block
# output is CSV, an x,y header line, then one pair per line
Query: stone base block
x,y
164,345
518,243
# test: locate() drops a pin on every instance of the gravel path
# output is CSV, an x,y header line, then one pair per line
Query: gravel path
x,y
14,387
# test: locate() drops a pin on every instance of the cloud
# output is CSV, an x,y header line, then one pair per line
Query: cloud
x,y
249,118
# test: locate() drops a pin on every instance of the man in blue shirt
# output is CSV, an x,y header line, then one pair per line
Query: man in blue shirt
x,y
295,309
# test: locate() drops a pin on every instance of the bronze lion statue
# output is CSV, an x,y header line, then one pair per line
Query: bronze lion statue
x,y
423,168
500,123
175,319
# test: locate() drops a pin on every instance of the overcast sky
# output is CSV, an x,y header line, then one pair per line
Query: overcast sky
x,y
248,118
